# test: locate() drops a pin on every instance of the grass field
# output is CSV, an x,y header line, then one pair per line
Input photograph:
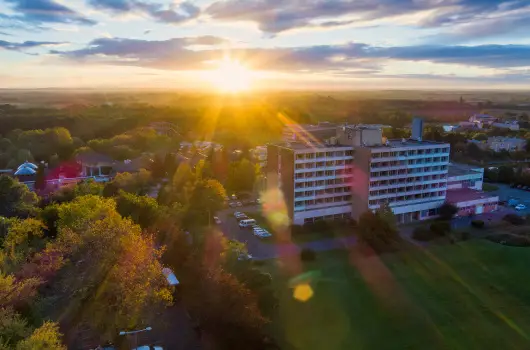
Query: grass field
x,y
474,295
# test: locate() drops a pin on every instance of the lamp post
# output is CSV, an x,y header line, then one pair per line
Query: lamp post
x,y
136,334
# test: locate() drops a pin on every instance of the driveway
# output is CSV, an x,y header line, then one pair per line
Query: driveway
x,y
262,250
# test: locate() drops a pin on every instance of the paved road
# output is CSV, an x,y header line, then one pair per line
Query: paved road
x,y
262,250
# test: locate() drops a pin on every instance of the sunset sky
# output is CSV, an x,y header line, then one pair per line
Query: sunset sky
x,y
313,44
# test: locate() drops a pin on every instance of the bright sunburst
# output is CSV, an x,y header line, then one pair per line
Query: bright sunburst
x,y
231,76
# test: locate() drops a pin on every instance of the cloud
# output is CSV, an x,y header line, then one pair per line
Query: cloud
x,y
179,54
173,13
37,12
275,16
7,45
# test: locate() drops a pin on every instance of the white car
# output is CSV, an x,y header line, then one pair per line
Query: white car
x,y
262,233
216,220
238,213
520,207
243,257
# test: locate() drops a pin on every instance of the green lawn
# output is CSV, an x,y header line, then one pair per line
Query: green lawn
x,y
470,296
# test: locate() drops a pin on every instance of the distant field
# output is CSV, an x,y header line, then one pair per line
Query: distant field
x,y
470,296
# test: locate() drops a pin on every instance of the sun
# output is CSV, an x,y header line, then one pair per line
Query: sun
x,y
231,76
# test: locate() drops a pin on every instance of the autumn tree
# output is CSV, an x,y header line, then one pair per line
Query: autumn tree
x,y
15,198
241,176
46,337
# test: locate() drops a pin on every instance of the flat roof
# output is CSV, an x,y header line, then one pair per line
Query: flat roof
x,y
308,145
456,169
466,194
399,143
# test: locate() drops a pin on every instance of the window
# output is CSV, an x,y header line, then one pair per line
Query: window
x,y
330,163
310,156
329,154
346,198
299,204
308,193
330,182
320,173
320,183
349,153
330,172
320,154
299,166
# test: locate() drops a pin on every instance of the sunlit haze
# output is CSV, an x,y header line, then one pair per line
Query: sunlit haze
x,y
335,44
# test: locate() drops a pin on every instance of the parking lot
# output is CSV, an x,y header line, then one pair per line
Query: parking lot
x,y
505,193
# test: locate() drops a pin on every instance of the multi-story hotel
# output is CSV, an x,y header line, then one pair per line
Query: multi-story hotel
x,y
315,179
357,170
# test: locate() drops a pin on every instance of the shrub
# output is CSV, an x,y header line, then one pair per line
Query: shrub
x,y
308,254
477,223
440,228
320,225
510,240
423,234
298,230
513,219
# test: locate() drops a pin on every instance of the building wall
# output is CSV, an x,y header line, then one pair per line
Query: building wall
x,y
280,174
473,180
472,207
412,179
322,182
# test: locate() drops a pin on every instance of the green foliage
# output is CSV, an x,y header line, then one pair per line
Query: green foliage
x,y
377,231
46,337
440,228
13,327
44,143
142,210
139,183
447,211
480,137
506,174
15,198
308,254
22,240
423,234
241,176
183,175
477,223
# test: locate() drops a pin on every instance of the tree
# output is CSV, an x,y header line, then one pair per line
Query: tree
x,y
183,175
447,211
376,231
22,239
13,327
142,210
474,151
386,214
241,176
203,170
157,167
15,198
506,174
225,308
46,337
480,137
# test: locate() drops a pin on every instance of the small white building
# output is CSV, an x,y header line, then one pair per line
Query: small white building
x,y
510,144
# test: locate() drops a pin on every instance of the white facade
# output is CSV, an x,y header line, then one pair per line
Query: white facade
x,y
498,143
411,178
322,178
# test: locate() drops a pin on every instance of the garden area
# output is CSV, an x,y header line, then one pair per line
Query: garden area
x,y
470,295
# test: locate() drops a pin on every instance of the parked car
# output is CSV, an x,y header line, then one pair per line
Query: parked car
x,y
239,204
232,204
520,207
234,197
247,223
236,213
216,220
243,257
149,347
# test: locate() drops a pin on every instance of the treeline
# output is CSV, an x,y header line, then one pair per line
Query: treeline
x,y
90,258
